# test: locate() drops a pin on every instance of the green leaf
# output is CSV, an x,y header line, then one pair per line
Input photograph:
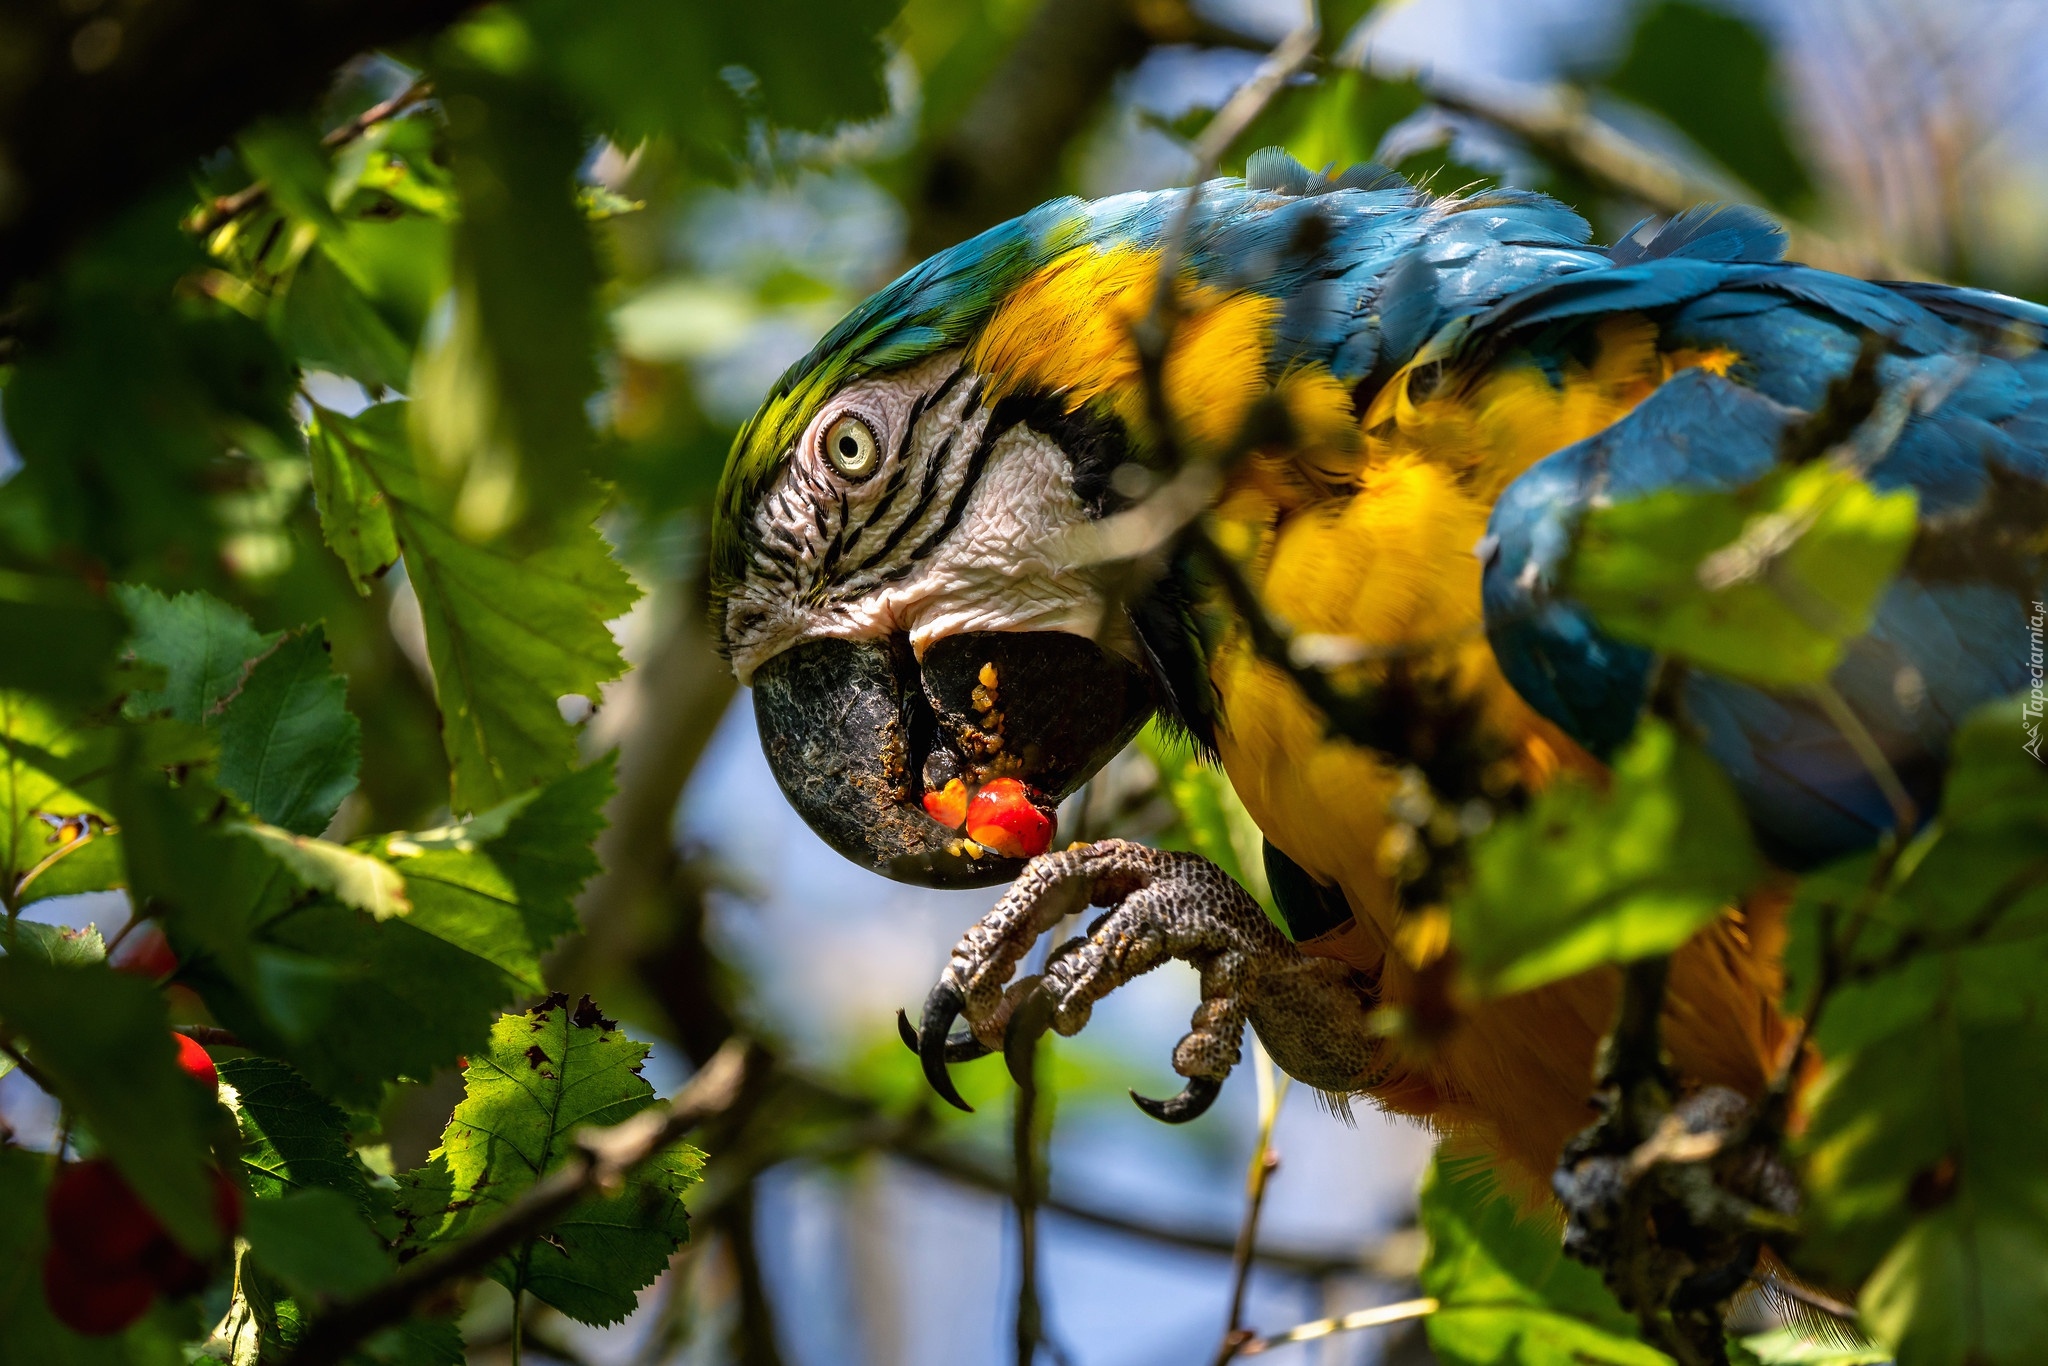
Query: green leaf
x,y
1789,1346
104,1040
58,945
288,745
52,798
1508,1295
547,1073
1764,583
506,894
1921,1148
354,519
91,863
1584,877
327,324
292,1138
499,396
351,1002
349,876
316,1243
201,644
508,629
29,1334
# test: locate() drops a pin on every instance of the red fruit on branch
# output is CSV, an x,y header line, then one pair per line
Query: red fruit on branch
x,y
144,952
90,1299
109,1257
1003,820
193,1058
96,1218
177,1272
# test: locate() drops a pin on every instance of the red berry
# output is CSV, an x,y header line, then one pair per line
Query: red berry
x,y
948,806
1002,820
97,1219
94,1300
144,952
177,1272
192,1057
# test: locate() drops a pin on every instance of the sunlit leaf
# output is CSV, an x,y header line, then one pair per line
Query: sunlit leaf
x,y
354,879
548,1072
292,1138
1509,1297
1586,877
1763,583
52,795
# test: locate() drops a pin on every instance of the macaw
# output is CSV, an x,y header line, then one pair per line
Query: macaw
x,y
945,556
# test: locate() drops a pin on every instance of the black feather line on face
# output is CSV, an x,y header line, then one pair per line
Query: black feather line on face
x,y
997,427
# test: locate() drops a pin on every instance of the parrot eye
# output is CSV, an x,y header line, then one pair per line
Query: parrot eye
x,y
850,446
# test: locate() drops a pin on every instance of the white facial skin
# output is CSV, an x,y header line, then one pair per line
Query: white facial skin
x,y
819,570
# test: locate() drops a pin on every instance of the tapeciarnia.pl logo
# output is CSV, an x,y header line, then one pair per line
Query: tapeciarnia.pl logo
x,y
2037,696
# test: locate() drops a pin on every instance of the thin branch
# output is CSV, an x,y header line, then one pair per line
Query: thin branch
x,y
1376,1317
600,1163
228,207
966,1171
1905,813
1264,1162
28,1069
1563,128
211,1035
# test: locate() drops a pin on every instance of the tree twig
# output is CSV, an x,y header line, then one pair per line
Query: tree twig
x,y
1258,1173
1561,127
228,207
1376,1317
599,1163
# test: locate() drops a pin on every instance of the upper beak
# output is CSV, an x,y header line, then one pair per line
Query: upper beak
x,y
858,732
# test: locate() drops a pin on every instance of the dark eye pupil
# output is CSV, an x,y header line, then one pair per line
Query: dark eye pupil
x,y
848,447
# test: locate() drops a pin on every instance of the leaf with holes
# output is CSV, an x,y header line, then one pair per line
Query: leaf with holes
x,y
548,1072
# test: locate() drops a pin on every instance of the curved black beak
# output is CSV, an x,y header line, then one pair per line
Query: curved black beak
x,y
858,731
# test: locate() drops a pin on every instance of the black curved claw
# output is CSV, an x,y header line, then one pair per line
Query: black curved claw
x,y
959,1047
1193,1101
941,1008
1028,1024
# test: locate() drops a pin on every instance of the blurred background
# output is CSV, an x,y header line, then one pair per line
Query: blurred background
x,y
848,1218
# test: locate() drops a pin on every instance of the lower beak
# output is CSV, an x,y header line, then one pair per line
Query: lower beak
x,y
858,732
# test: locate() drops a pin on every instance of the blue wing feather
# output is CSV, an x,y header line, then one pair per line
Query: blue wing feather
x,y
1935,649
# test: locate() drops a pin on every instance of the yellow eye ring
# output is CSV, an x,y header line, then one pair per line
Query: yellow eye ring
x,y
851,447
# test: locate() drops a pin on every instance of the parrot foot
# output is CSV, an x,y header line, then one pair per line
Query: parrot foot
x,y
1310,1013
1676,1223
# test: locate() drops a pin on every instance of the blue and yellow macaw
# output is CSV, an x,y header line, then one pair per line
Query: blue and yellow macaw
x,y
946,558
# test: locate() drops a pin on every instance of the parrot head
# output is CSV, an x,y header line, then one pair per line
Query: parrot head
x,y
931,674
